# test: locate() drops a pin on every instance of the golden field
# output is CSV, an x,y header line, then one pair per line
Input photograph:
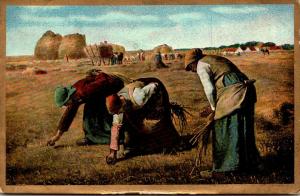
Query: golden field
x,y
32,117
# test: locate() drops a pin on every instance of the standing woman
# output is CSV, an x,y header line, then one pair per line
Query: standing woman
x,y
232,98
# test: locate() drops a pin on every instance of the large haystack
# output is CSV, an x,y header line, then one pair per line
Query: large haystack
x,y
47,46
105,50
118,48
72,46
164,49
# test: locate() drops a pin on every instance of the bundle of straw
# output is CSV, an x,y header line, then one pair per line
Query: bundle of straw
x,y
179,111
201,137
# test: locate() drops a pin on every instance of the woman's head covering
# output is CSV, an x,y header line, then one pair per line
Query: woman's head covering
x,y
62,94
192,56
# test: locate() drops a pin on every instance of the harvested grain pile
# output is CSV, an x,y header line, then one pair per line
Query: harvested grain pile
x,y
34,71
164,49
11,67
105,50
47,46
73,46
118,48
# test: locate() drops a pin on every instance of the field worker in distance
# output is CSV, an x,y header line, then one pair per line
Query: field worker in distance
x,y
158,61
90,91
142,119
232,98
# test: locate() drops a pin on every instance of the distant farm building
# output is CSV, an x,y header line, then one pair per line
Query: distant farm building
x,y
247,50
275,48
239,50
257,49
227,51
252,49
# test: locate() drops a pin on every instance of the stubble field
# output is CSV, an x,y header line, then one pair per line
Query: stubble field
x,y
32,117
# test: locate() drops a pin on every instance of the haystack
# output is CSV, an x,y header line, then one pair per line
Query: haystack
x,y
73,46
118,48
105,50
47,46
164,49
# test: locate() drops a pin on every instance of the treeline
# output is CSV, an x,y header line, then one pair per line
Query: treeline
x,y
252,44
288,46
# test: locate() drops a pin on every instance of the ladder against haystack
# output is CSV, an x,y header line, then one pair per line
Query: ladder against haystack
x,y
93,54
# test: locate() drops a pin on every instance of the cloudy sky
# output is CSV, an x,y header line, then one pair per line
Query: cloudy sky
x,y
145,27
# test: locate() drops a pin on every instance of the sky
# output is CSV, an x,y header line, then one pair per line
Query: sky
x,y
144,27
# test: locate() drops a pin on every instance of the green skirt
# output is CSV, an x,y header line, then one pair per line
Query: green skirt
x,y
97,121
234,147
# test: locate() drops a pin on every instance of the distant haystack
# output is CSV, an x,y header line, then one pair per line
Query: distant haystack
x,y
72,46
102,52
93,50
47,46
105,49
115,47
118,48
164,49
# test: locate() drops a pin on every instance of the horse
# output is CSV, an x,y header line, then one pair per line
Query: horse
x,y
265,51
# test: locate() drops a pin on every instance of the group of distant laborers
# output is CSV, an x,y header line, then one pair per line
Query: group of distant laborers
x,y
135,116
117,58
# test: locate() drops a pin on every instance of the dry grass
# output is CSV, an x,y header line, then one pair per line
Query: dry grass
x,y
32,117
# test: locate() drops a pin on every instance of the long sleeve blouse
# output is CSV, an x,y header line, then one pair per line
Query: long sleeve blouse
x,y
140,96
205,74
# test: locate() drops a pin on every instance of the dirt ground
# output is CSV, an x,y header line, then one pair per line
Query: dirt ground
x,y
32,117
